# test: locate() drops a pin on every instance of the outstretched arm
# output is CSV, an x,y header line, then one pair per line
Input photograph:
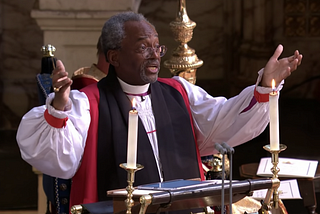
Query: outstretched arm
x,y
280,69
217,119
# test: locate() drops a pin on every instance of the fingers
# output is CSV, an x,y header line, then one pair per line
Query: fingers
x,y
59,68
299,57
61,84
66,86
60,79
296,55
277,52
280,69
295,61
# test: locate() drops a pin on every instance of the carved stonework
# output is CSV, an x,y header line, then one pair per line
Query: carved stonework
x,y
302,18
255,43
74,27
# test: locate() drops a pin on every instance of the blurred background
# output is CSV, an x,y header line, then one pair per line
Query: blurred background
x,y
234,38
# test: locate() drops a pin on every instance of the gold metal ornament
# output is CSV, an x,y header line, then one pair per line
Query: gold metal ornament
x,y
273,193
183,62
56,90
214,165
129,202
47,50
76,209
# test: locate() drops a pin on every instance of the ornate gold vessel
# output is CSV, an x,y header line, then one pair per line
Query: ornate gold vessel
x,y
183,62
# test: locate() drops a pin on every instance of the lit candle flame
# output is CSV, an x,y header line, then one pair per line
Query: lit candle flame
x,y
133,103
273,84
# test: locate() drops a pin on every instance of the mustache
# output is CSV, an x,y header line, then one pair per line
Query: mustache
x,y
152,62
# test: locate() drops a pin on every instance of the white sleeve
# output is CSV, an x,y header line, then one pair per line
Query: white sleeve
x,y
217,119
55,151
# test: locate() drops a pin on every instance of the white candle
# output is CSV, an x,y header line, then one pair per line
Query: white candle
x,y
274,118
132,137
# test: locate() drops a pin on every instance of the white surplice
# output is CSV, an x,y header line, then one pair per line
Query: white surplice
x,y
58,151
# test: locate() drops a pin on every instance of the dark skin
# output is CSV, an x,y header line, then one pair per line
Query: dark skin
x,y
133,68
130,64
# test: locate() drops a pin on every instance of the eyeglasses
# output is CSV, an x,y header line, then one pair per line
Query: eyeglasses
x,y
148,51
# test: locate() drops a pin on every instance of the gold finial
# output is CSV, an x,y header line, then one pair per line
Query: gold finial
x,y
76,209
47,50
184,62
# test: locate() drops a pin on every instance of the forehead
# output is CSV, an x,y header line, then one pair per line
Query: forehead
x,y
139,30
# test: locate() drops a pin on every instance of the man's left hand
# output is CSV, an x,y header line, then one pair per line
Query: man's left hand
x,y
280,69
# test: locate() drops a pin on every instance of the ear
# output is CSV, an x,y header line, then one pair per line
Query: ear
x,y
113,57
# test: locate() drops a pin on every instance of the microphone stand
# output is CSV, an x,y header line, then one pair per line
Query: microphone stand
x,y
222,151
230,153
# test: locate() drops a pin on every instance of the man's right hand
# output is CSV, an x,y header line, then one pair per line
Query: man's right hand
x,y
61,84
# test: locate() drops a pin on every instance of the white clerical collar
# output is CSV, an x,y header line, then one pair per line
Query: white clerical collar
x,y
133,89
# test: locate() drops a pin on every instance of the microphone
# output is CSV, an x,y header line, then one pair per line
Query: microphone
x,y
228,148
230,152
220,149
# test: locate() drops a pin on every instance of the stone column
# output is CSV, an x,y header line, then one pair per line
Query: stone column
x,y
74,26
255,42
42,198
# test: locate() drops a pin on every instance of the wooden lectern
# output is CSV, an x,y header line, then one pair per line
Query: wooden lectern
x,y
200,195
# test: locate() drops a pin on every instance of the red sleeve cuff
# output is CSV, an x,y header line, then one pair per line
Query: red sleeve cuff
x,y
261,98
55,122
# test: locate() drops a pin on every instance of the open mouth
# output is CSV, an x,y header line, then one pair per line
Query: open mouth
x,y
153,69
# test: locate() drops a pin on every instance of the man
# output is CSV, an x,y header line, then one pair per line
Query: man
x,y
57,189
83,135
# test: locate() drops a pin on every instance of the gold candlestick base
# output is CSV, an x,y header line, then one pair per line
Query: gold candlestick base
x,y
276,182
275,158
129,201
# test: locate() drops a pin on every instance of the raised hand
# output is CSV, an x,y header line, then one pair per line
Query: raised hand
x,y
61,84
280,69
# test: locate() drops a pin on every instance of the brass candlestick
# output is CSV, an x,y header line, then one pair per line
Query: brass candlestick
x,y
276,182
129,201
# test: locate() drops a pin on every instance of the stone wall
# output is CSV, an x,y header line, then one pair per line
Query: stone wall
x,y
233,48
